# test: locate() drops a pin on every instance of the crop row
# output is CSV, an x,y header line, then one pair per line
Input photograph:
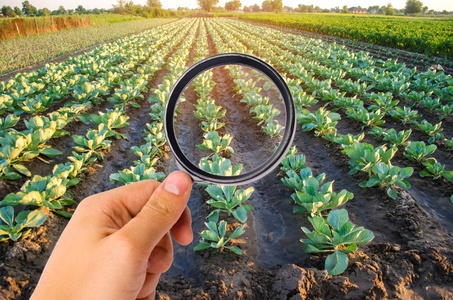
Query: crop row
x,y
323,122
52,190
427,36
25,51
23,146
313,197
225,201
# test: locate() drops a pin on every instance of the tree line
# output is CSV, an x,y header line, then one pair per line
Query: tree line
x,y
153,7
412,7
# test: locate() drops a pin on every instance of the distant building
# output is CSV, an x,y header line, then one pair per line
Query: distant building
x,y
356,10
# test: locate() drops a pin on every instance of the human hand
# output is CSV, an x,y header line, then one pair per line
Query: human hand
x,y
117,243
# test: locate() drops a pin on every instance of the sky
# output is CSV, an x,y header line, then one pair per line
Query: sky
x,y
438,5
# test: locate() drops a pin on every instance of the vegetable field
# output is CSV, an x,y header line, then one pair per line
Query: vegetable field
x,y
423,35
361,207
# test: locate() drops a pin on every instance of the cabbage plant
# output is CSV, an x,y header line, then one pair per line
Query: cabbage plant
x,y
215,236
13,227
230,200
335,234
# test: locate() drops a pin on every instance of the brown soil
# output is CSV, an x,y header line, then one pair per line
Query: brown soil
x,y
410,258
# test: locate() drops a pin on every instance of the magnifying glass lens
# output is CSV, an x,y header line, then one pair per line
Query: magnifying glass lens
x,y
230,116
229,119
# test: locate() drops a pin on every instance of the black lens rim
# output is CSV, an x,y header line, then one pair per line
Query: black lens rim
x,y
197,174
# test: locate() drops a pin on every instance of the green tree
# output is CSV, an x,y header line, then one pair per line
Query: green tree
x,y
266,6
44,12
233,5
61,10
276,5
7,11
256,8
80,9
345,9
154,3
207,5
413,7
17,11
28,9
389,11
246,9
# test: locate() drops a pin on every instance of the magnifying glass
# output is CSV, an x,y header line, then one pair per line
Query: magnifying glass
x,y
229,120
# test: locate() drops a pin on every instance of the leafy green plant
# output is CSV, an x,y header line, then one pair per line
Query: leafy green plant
x,y
418,150
397,138
230,200
254,99
295,180
218,165
13,152
377,131
436,170
264,113
112,118
404,114
367,118
434,131
46,191
431,103
215,236
335,234
273,128
213,125
94,143
384,102
347,102
37,104
363,157
389,176
25,219
301,99
208,110
8,122
445,110
155,135
89,92
125,94
212,141
322,121
314,198
347,139
293,162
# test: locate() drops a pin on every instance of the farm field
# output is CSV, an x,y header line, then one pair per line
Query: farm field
x,y
431,36
374,140
27,51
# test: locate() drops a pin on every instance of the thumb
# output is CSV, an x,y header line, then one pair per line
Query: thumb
x,y
160,213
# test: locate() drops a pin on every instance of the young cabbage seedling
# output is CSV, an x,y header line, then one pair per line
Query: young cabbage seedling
x,y
389,176
335,234
227,198
215,236
25,219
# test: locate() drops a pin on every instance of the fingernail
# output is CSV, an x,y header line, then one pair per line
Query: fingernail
x,y
176,183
